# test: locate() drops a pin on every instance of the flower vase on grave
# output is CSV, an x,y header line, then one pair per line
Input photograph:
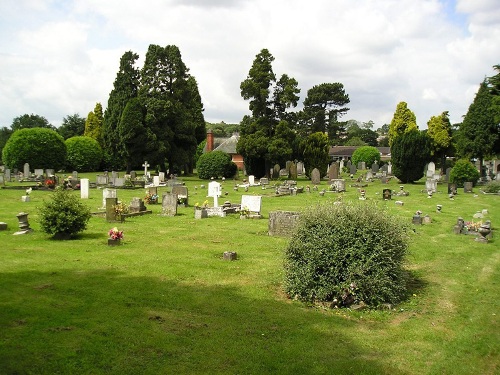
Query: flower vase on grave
x,y
200,213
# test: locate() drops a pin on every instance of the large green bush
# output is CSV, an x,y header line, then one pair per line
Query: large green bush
x,y
63,215
464,171
347,253
84,154
368,154
40,147
215,164
410,152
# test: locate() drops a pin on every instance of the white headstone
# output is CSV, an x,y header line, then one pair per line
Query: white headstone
x,y
84,188
26,170
39,172
251,179
161,176
107,193
214,190
252,202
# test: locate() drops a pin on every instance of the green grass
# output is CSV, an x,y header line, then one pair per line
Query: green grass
x,y
165,301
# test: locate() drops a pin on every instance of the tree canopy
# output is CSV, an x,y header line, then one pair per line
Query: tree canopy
x,y
72,126
30,121
404,120
439,132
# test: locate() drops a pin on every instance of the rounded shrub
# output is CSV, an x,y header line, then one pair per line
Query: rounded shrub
x,y
84,154
345,254
40,147
63,215
215,164
464,171
368,154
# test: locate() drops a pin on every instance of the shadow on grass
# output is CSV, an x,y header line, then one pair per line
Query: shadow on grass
x,y
109,322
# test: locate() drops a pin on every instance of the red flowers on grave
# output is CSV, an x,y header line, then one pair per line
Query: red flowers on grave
x,y
50,183
115,234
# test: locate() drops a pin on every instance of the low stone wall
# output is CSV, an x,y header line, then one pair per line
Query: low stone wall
x,y
283,223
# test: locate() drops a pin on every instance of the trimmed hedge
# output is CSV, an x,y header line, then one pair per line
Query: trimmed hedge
x,y
345,254
84,154
40,147
215,164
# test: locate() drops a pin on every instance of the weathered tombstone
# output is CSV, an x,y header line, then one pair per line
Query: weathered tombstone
x,y
251,180
110,208
169,204
338,184
287,165
384,180
452,188
102,180
161,176
431,185
251,202
133,175
333,172
264,181
276,171
467,187
417,219
352,169
214,191
384,168
315,176
182,194
369,175
375,167
26,170
448,171
283,173
300,168
74,175
293,171
431,170
7,174
156,180
24,226
137,205
84,188
341,165
2,179
282,223
362,165
38,172
107,193
387,194
389,168
229,255
119,182
49,172
113,174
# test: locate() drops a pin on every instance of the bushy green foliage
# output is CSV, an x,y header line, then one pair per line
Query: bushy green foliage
x,y
40,147
215,164
63,214
345,254
83,154
368,154
464,171
492,187
410,152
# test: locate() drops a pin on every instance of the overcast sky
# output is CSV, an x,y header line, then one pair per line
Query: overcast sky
x,y
59,58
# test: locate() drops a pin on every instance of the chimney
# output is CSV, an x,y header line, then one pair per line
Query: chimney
x,y
210,140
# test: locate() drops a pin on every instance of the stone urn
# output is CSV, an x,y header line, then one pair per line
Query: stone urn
x,y
483,231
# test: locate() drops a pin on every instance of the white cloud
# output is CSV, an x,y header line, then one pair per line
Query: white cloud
x,y
62,57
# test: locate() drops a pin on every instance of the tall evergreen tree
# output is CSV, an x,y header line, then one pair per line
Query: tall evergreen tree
x,y
479,131
410,152
315,152
93,124
439,131
494,84
125,88
404,120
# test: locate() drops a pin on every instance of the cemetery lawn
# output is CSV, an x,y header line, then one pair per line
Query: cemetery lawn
x,y
166,302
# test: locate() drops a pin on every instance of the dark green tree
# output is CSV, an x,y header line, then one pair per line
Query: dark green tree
x,y
84,154
315,152
410,152
494,84
31,121
479,132
439,131
269,102
125,87
5,134
72,126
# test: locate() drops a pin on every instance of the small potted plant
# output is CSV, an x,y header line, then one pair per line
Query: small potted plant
x,y
115,236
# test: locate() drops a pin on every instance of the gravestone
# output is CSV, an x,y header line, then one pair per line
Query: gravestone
x,y
431,185
352,169
467,187
114,174
2,179
26,170
282,223
300,168
251,180
387,194
338,185
137,205
375,167
431,169
38,172
84,188
315,177
169,204
74,175
161,176
341,165
264,181
283,173
107,193
276,171
49,172
333,172
293,171
214,191
369,175
252,203
102,180
287,166
384,168
182,193
119,182
133,175
7,174
448,171
362,165
156,180
452,188
110,204
389,168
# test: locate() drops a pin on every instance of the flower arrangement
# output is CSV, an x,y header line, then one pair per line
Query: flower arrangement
x,y
181,200
115,234
151,198
50,183
120,208
471,226
245,211
198,207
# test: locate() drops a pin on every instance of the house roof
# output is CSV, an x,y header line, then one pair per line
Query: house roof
x,y
227,145
347,151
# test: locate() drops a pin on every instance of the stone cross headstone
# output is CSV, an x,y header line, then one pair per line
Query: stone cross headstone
x,y
214,191
84,188
333,172
146,166
26,170
169,204
107,193
252,202
315,176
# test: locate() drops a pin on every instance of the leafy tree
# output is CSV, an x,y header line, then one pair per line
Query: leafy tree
x,y
368,154
479,131
324,105
315,152
5,134
269,101
31,121
355,141
464,171
494,84
41,148
125,87
404,120
93,124
83,154
72,126
215,164
439,131
410,152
